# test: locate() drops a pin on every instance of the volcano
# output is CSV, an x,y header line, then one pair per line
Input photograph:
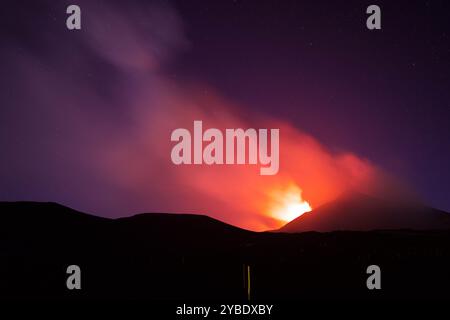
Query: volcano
x,y
178,257
360,212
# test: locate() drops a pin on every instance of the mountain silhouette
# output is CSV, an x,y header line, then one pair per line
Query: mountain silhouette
x,y
179,257
356,211
48,221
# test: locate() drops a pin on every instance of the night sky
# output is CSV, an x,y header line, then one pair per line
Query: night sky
x,y
383,94
70,98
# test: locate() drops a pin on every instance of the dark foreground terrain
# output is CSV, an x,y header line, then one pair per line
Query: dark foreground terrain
x,y
188,257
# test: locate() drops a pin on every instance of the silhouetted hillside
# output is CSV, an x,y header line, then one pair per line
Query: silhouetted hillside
x,y
360,212
191,257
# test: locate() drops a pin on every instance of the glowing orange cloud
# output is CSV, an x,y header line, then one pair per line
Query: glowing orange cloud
x,y
309,174
288,204
133,158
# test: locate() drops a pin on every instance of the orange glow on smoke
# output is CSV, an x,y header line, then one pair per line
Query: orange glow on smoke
x,y
288,204
310,174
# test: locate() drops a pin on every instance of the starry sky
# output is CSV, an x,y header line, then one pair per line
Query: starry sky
x,y
384,94
71,99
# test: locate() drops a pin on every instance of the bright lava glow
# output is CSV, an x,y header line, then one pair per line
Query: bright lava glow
x,y
289,204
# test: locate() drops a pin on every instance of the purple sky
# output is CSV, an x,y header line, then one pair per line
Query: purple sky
x,y
66,96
